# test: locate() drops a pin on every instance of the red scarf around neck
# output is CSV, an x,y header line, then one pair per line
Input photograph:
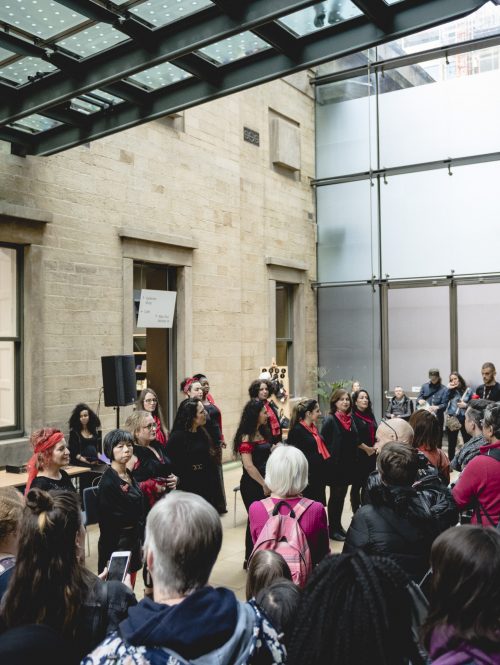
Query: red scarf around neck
x,y
273,421
322,449
371,426
345,419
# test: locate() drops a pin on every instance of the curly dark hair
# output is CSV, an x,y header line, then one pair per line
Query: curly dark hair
x,y
74,420
253,390
355,396
354,609
186,413
248,423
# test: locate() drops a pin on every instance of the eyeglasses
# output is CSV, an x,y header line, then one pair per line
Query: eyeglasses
x,y
150,426
390,427
150,401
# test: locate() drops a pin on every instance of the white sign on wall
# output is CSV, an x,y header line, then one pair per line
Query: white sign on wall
x,y
156,309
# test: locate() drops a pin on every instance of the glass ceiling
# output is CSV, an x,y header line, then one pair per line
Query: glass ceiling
x,y
75,70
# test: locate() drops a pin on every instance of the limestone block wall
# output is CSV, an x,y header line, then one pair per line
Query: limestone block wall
x,y
198,179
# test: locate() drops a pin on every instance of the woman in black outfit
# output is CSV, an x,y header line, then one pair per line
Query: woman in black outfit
x,y
305,436
149,465
50,455
193,453
254,449
341,437
366,425
121,504
84,436
262,389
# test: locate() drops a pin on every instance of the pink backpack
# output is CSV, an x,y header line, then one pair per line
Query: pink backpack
x,y
283,534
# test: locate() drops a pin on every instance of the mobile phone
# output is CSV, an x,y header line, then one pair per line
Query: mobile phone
x,y
118,565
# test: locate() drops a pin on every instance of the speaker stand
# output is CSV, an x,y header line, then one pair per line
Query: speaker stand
x,y
117,417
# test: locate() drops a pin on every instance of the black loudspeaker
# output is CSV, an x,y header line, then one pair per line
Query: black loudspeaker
x,y
118,378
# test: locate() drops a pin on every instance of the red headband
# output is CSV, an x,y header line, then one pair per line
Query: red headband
x,y
42,447
187,383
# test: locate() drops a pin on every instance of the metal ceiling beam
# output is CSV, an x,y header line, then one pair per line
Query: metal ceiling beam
x,y
339,40
279,37
377,11
167,43
20,46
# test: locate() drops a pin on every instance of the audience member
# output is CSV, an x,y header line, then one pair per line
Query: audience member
x,y
304,435
50,455
279,601
254,451
474,425
427,438
121,504
490,388
366,426
286,477
396,522
265,567
432,396
11,512
479,483
400,405
355,609
187,620
458,397
463,623
50,584
395,430
341,437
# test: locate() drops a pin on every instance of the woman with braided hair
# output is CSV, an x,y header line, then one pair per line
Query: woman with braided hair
x,y
355,609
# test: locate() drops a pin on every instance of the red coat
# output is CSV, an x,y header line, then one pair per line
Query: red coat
x,y
480,480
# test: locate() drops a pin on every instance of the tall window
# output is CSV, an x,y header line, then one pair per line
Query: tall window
x,y
284,326
10,341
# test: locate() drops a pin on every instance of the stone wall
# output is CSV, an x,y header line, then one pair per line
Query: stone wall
x,y
194,177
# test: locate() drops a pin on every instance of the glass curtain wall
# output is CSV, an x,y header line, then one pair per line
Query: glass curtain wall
x,y
408,166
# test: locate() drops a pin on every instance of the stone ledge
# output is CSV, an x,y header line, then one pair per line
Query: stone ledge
x,y
158,238
20,213
285,263
15,451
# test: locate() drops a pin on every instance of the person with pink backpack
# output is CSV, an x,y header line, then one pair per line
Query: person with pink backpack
x,y
286,522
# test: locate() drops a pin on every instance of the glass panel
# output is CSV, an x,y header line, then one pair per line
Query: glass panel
x,y
450,118
7,385
162,12
93,40
101,95
484,22
234,48
159,76
82,106
347,240
349,337
283,329
345,127
475,347
321,15
35,123
42,18
8,287
4,54
20,71
430,222
419,335
359,59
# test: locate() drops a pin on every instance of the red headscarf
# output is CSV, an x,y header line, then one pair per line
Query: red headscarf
x,y
41,447
187,385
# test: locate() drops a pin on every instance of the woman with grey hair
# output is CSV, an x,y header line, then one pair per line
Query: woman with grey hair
x,y
286,477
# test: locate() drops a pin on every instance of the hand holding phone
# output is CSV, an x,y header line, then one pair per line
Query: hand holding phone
x,y
118,565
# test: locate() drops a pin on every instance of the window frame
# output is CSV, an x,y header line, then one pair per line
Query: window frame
x,y
15,430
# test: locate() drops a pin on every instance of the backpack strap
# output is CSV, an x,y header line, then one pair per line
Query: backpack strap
x,y
302,506
268,504
283,503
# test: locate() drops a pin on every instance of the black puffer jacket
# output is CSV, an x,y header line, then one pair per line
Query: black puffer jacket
x,y
402,522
